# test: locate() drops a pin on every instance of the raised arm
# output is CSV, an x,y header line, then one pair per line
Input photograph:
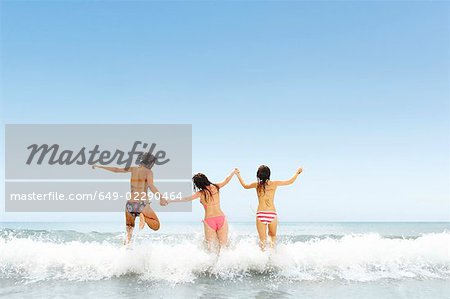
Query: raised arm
x,y
226,180
112,169
241,180
291,180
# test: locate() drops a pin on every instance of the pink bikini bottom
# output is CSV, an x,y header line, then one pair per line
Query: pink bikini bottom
x,y
215,223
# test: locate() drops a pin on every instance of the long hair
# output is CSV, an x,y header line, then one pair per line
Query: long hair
x,y
201,183
263,175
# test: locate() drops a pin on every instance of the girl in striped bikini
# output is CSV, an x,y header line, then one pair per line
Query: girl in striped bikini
x,y
266,215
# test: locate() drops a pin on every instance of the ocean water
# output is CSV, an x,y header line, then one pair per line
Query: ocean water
x,y
312,260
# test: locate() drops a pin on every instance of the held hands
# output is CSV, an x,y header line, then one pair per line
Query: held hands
x,y
163,201
237,171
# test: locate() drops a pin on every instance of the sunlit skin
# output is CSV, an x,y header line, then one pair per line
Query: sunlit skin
x,y
212,209
266,203
141,180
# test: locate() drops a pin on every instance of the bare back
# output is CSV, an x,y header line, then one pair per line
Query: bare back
x,y
139,183
266,197
211,203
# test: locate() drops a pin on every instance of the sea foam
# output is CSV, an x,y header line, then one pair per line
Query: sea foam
x,y
363,257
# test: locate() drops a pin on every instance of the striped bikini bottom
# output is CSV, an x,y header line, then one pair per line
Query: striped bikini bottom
x,y
266,217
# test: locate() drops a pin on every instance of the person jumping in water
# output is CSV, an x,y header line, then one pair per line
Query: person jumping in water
x,y
266,215
215,223
138,204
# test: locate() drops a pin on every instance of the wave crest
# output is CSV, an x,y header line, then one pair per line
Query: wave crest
x,y
363,257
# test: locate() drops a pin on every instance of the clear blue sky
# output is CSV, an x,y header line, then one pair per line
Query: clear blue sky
x,y
355,92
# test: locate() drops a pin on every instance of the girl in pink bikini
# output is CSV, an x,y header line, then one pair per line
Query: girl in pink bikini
x,y
266,215
215,223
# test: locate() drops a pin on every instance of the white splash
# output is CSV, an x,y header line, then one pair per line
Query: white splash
x,y
363,257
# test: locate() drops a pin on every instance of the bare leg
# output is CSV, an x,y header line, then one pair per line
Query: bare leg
x,y
210,237
150,218
129,220
129,235
141,221
262,228
222,235
273,232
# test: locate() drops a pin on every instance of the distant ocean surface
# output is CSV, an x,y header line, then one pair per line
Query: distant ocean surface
x,y
312,260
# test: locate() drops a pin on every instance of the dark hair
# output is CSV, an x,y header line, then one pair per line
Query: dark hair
x,y
263,175
201,182
147,160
